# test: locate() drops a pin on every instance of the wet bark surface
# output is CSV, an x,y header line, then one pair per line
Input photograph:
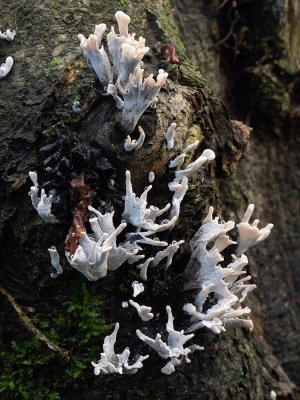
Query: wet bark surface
x,y
39,131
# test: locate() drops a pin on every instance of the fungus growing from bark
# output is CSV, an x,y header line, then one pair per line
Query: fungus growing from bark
x,y
80,217
169,53
137,288
170,136
6,67
55,261
42,204
8,35
124,81
144,312
221,288
174,348
223,283
111,363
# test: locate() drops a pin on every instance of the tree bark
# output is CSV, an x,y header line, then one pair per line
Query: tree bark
x,y
248,54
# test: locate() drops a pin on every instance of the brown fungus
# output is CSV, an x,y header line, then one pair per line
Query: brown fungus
x,y
80,216
169,53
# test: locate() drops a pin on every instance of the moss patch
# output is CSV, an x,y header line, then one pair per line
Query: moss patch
x,y
32,371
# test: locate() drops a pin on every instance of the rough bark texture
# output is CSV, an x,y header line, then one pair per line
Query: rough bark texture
x,y
255,51
250,60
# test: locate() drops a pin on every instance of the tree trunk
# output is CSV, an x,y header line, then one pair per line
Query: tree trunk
x,y
51,329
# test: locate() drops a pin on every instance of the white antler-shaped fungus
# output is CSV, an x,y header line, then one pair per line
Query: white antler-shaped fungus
x,y
174,348
139,95
178,160
135,144
8,35
250,235
132,94
151,177
6,67
43,204
205,272
144,312
111,363
194,167
168,253
144,268
96,57
137,288
137,213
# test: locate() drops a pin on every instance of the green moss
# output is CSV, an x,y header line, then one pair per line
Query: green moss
x,y
55,62
76,98
123,3
76,326
50,133
165,21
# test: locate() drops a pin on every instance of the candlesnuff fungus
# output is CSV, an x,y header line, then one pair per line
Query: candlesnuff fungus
x,y
151,177
8,35
135,144
124,80
137,288
111,363
55,261
42,204
144,268
221,289
174,348
170,136
225,287
168,253
205,273
7,65
144,312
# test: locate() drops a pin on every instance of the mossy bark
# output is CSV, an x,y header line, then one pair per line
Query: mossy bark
x,y
39,130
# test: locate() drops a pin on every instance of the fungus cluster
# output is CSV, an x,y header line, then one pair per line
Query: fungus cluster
x,y
226,283
7,66
174,348
111,363
42,204
124,80
221,288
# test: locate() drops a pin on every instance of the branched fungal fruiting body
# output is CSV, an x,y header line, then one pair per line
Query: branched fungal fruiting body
x,y
221,289
42,204
124,81
111,363
174,348
205,272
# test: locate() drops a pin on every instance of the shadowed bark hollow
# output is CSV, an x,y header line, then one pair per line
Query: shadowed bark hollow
x,y
244,54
